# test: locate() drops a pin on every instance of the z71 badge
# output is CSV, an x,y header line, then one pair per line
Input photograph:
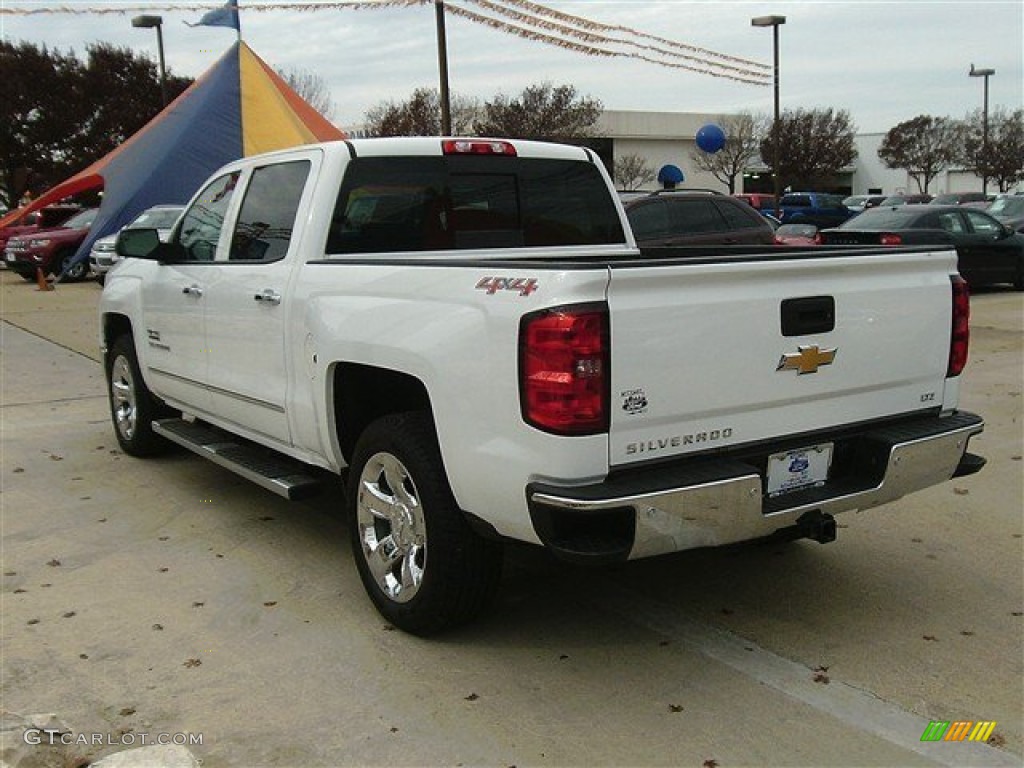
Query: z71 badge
x,y
524,286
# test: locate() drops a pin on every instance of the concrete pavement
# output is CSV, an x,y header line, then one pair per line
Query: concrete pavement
x,y
170,597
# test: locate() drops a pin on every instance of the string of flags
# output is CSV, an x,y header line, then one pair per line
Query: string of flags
x,y
522,18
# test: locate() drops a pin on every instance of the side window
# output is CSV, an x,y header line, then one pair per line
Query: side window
x,y
649,219
695,215
982,224
951,222
738,217
202,223
265,222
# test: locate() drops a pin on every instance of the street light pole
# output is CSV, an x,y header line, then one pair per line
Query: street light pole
x,y
985,73
442,65
774,22
147,22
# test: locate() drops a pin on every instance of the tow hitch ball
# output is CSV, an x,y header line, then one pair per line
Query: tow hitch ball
x,y
816,526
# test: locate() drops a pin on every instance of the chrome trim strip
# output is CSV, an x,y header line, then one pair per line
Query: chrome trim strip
x,y
217,390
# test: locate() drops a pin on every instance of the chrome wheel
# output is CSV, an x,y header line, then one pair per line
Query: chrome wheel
x,y
123,398
392,530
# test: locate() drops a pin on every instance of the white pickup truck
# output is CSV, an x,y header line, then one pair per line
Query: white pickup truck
x,y
466,329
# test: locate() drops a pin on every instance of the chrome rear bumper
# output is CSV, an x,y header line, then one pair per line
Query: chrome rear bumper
x,y
719,500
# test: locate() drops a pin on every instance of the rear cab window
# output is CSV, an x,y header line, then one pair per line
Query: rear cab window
x,y
402,204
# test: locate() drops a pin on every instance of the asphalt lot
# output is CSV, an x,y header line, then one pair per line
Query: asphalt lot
x,y
169,596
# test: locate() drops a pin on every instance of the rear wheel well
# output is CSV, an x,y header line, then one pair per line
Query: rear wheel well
x,y
364,393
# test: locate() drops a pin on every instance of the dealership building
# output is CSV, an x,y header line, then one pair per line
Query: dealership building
x,y
669,138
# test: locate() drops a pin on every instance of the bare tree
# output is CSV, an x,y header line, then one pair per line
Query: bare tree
x,y
743,134
311,87
818,144
540,112
420,115
632,172
1003,159
923,147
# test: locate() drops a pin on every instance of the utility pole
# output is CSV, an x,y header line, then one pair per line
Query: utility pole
x,y
442,65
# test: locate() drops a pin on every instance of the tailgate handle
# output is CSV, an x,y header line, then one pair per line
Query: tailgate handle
x,y
807,315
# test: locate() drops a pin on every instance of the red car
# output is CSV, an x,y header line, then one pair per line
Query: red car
x,y
798,234
51,250
763,203
47,218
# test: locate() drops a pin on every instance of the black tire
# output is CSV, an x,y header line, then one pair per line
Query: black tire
x,y
423,566
68,271
28,277
132,406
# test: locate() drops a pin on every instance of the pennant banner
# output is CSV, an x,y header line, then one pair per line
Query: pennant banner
x,y
522,18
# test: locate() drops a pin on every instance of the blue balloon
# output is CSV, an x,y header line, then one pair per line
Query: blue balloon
x,y
710,138
670,175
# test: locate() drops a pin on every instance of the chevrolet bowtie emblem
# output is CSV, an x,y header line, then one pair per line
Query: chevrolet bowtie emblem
x,y
807,359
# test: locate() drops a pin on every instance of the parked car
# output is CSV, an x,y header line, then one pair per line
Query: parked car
x,y
822,210
798,234
960,198
688,217
51,250
36,221
905,200
761,202
858,203
989,252
103,257
1009,209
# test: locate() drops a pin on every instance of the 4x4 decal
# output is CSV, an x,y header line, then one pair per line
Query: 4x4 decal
x,y
523,285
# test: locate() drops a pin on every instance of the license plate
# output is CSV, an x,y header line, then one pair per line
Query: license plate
x,y
10,257
796,470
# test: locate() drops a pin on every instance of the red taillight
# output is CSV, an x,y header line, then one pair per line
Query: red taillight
x,y
477,147
891,238
960,331
564,369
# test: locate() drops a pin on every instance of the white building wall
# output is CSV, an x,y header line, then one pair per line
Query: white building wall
x,y
670,137
661,138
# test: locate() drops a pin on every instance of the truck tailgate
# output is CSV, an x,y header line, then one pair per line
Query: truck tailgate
x,y
707,355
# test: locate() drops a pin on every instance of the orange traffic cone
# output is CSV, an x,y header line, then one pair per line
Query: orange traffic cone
x,y
41,281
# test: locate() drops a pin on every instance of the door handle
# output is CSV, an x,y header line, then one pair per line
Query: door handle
x,y
192,290
268,296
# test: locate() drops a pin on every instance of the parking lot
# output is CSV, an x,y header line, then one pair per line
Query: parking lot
x,y
170,597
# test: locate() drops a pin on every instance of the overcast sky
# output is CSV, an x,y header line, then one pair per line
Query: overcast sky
x,y
884,62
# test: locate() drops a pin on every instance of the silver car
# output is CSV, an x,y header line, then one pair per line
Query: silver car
x,y
103,257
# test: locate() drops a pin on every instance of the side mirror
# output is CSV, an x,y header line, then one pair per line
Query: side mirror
x,y
146,244
137,243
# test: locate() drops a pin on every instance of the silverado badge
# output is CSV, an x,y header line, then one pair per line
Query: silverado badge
x,y
806,359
